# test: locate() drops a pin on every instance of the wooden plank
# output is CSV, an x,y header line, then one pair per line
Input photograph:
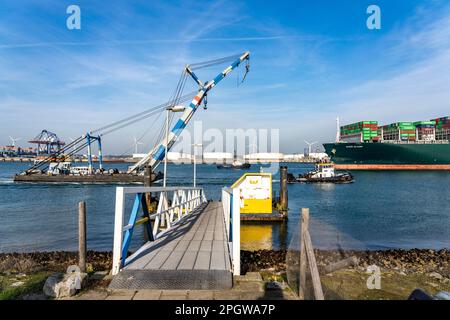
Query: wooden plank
x,y
188,261
209,235
218,246
144,260
206,245
217,261
158,260
318,293
194,245
173,260
182,245
203,260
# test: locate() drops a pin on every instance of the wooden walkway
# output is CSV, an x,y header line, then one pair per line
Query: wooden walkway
x,y
192,255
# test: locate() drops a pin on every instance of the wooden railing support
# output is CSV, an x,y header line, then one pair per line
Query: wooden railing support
x,y
307,258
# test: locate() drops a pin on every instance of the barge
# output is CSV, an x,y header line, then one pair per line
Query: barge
x,y
90,179
65,172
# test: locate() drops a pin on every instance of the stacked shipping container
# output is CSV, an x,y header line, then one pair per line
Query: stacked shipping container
x,y
425,130
442,128
369,131
399,131
362,131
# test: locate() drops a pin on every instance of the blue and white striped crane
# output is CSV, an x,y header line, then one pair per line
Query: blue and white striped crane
x,y
157,154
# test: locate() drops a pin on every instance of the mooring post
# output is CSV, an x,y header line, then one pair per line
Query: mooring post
x,y
283,189
82,236
303,262
148,183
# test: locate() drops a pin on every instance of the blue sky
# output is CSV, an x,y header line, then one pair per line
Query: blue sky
x,y
311,61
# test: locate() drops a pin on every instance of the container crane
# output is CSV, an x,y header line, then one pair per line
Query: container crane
x,y
58,151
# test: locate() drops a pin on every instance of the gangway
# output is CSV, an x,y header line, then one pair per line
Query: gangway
x,y
193,243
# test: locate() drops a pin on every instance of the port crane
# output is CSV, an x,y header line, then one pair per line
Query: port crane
x,y
157,154
154,157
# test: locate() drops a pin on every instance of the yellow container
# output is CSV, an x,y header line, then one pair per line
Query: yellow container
x,y
256,193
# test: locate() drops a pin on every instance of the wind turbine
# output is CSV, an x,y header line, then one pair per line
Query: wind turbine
x,y
14,140
136,143
310,144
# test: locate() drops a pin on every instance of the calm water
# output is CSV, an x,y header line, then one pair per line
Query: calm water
x,y
379,210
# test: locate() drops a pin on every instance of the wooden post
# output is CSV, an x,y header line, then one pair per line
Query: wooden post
x,y
148,183
82,236
303,262
283,188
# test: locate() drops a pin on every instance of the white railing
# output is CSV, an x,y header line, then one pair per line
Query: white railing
x,y
232,217
168,213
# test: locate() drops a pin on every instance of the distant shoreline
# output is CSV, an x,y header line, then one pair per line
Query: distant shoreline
x,y
183,161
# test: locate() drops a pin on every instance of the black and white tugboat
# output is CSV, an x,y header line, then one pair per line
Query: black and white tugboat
x,y
323,173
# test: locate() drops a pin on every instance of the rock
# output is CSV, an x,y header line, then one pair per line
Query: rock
x,y
51,285
60,285
435,275
99,275
434,285
443,295
34,296
17,284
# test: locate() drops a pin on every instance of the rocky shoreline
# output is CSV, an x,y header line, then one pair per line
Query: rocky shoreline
x,y
414,260
407,261
22,275
54,261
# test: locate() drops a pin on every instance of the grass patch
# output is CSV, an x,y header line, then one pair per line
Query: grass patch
x,y
33,283
351,285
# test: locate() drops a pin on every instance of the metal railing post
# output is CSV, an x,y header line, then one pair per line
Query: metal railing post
x,y
236,232
118,228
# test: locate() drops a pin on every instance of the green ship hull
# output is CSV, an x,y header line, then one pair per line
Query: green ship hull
x,y
390,155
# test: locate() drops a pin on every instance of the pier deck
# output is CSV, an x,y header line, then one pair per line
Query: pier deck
x,y
192,255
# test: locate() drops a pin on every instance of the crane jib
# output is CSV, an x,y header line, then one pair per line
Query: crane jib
x,y
155,158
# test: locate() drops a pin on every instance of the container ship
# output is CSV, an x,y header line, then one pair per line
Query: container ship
x,y
366,145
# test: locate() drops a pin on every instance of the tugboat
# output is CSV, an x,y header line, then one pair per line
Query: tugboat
x,y
323,173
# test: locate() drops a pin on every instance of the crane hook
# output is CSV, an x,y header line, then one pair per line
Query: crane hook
x,y
247,70
205,102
